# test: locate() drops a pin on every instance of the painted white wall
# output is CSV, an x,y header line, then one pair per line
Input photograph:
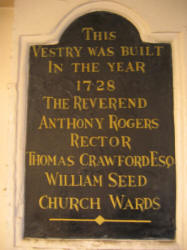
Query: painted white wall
x,y
42,20
6,20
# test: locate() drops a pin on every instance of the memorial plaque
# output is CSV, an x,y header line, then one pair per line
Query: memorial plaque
x,y
100,135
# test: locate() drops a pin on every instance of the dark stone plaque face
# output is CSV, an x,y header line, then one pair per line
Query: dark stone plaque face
x,y
100,135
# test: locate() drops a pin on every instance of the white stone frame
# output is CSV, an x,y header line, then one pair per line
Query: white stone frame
x,y
176,40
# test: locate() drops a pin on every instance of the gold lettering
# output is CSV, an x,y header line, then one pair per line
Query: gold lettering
x,y
137,203
86,67
90,34
141,50
71,203
126,67
54,67
41,200
101,51
56,103
79,141
121,181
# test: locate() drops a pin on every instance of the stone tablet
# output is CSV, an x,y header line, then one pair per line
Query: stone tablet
x,y
100,135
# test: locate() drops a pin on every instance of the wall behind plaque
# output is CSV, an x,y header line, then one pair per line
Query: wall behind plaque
x,y
30,18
